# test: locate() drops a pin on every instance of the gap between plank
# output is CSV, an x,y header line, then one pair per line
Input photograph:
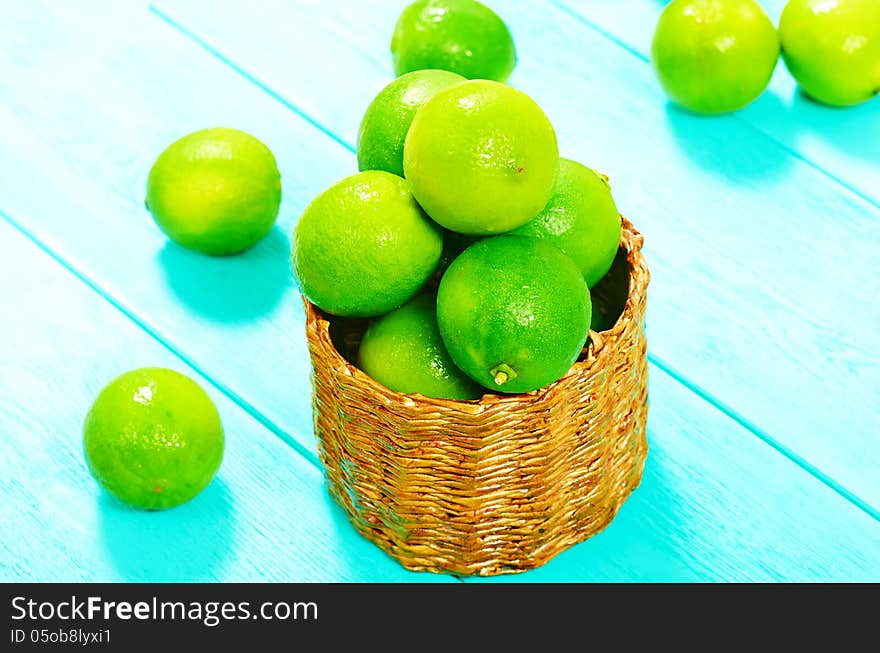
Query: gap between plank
x,y
765,437
249,77
253,79
583,20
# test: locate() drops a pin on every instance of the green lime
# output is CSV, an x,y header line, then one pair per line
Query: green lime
x,y
581,219
481,157
832,48
462,36
216,191
454,244
363,247
403,351
153,438
387,120
714,56
514,313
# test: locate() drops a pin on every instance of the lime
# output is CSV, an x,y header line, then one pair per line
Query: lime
x,y
481,157
216,191
714,56
454,244
581,219
403,351
153,438
462,36
363,247
832,48
387,120
514,312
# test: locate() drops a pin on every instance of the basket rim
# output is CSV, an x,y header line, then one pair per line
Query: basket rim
x,y
631,240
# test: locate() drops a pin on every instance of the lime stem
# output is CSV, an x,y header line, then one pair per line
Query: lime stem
x,y
502,373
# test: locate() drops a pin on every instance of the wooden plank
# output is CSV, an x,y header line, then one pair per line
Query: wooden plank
x,y
267,515
715,503
759,299
842,143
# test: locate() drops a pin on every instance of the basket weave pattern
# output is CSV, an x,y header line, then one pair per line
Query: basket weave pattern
x,y
493,486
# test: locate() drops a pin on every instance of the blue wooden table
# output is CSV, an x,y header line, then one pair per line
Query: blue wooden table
x,y
762,234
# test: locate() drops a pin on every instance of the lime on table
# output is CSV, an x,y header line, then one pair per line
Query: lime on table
x,y
153,438
363,247
832,48
482,157
386,122
403,351
462,36
514,313
714,56
581,219
216,191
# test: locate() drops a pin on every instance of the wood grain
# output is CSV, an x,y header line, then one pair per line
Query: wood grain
x,y
762,300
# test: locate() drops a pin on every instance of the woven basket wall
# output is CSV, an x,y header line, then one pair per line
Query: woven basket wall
x,y
498,485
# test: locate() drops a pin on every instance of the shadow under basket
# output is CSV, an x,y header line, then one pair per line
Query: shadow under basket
x,y
502,484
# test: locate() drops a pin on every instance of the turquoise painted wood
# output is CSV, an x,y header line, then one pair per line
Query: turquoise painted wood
x,y
94,91
266,516
147,87
841,144
716,504
741,310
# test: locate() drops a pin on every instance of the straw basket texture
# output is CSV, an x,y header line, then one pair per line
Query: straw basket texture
x,y
498,485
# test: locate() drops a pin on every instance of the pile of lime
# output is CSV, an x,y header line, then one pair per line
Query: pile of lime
x,y
465,245
715,56
459,259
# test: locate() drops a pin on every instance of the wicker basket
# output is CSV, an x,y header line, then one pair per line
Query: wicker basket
x,y
498,485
